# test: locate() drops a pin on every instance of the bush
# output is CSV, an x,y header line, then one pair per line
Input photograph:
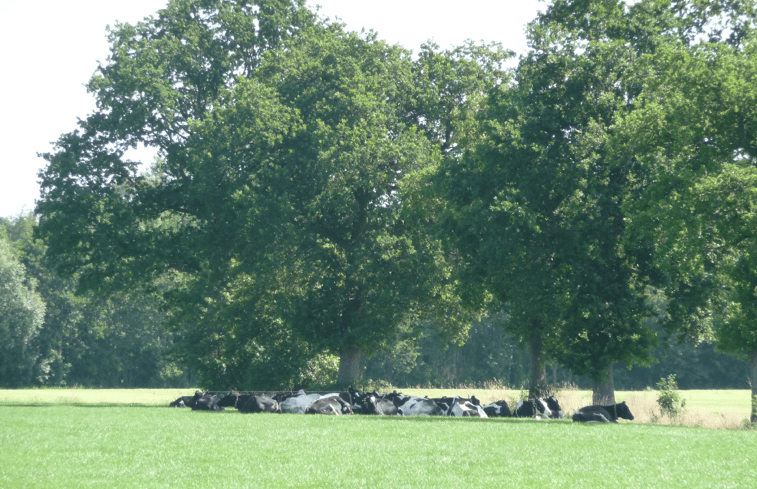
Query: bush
x,y
669,399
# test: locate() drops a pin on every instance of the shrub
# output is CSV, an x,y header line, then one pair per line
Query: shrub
x,y
669,399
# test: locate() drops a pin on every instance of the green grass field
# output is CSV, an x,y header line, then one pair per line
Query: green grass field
x,y
80,438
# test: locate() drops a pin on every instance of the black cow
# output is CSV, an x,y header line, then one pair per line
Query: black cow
x,y
603,414
259,403
229,400
498,409
205,402
250,403
329,404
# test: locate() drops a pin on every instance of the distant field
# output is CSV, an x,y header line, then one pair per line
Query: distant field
x,y
723,409
146,397
48,442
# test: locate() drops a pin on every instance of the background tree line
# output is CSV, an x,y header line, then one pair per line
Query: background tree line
x,y
124,342
320,196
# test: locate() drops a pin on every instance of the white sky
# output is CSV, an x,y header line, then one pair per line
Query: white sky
x,y
50,48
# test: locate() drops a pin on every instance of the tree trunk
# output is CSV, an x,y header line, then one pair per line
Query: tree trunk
x,y
538,383
349,367
753,358
604,388
554,374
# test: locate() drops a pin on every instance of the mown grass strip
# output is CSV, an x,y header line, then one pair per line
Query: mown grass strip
x,y
82,447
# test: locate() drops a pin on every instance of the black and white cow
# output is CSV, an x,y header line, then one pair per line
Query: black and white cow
x,y
466,407
414,405
603,414
373,403
329,404
534,408
554,407
354,398
298,403
498,409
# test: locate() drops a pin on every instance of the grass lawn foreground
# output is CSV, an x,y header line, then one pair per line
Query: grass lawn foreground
x,y
144,444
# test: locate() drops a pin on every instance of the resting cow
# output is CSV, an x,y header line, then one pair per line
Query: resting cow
x,y
186,401
329,404
603,414
498,409
466,407
372,403
534,408
205,402
250,403
554,407
414,405
299,403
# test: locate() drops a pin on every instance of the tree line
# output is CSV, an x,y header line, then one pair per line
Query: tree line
x,y
87,341
320,194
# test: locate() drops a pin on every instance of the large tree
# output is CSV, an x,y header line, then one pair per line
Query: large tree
x,y
535,207
276,202
694,134
115,226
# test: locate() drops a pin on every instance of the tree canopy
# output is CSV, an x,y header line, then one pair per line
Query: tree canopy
x,y
319,195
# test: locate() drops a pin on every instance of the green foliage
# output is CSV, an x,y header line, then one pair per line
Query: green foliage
x,y
22,312
488,355
115,341
277,196
689,135
669,399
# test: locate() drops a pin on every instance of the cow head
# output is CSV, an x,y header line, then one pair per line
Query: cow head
x,y
554,406
622,411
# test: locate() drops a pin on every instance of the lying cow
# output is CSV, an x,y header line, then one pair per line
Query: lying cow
x,y
205,402
530,408
329,404
534,408
466,407
298,403
250,403
186,401
373,403
554,407
603,414
414,405
498,409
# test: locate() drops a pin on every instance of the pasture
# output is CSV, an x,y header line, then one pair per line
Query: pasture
x,y
129,438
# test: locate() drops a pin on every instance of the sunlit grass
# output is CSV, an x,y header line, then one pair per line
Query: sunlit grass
x,y
75,446
147,397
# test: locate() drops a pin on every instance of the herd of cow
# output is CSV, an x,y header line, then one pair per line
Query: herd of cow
x,y
353,402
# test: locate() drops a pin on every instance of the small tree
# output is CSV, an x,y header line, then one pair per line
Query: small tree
x,y
669,399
